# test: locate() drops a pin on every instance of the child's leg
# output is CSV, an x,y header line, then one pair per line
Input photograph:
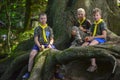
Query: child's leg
x,y
30,64
33,53
93,62
85,44
93,66
94,42
98,41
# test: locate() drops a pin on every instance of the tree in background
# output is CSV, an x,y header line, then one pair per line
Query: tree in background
x,y
21,11
61,15
18,16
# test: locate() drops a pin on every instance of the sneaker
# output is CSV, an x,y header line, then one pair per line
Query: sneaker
x,y
26,75
59,76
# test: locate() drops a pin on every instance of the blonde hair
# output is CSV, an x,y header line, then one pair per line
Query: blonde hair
x,y
81,10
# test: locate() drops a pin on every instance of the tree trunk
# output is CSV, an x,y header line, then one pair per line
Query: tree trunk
x,y
61,18
9,25
27,15
73,61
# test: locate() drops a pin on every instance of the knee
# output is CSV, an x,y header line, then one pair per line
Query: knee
x,y
93,43
33,54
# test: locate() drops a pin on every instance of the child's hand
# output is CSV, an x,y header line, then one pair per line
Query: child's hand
x,y
42,47
49,46
87,39
81,28
91,38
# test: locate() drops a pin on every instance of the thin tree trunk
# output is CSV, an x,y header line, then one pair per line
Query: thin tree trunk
x,y
9,25
27,15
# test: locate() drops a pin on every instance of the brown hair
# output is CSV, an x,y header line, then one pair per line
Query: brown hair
x,y
97,10
42,14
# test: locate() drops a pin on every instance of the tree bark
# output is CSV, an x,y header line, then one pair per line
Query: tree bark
x,y
27,15
61,15
9,25
46,61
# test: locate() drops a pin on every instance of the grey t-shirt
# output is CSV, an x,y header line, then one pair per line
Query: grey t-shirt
x,y
39,32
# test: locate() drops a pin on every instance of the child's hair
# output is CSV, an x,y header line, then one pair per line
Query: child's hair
x,y
97,10
42,14
81,10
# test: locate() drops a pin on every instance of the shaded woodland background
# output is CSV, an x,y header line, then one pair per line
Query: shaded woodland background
x,y
18,20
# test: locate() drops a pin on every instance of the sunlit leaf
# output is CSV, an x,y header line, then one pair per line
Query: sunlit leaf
x,y
14,6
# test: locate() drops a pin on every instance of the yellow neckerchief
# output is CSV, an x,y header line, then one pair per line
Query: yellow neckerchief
x,y
96,25
43,28
81,22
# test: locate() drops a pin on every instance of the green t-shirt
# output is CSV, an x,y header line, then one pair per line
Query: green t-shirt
x,y
100,27
39,32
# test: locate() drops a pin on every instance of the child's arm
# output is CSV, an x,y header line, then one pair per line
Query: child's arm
x,y
37,42
36,33
51,43
104,34
51,39
82,29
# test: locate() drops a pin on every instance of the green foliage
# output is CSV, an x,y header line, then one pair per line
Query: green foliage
x,y
26,35
17,11
16,39
23,37
3,31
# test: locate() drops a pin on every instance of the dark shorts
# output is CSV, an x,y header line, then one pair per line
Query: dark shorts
x,y
35,47
100,40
